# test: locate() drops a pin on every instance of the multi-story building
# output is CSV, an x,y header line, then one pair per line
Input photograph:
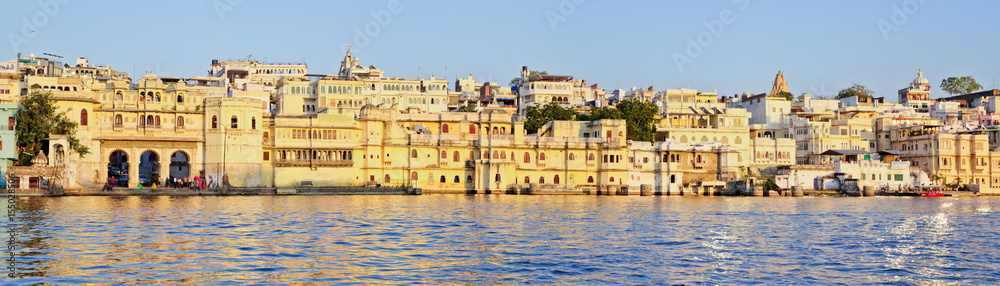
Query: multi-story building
x,y
953,157
347,92
684,97
536,89
704,125
918,94
8,141
672,167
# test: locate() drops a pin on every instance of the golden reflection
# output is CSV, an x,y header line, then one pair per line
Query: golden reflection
x,y
490,239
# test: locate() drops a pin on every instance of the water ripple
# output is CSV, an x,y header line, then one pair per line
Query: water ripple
x,y
439,239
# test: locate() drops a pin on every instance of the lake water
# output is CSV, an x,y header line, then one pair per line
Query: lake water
x,y
457,239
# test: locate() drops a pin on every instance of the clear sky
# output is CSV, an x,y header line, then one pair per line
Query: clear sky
x,y
735,45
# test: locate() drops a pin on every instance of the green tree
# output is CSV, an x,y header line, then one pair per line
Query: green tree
x,y
518,80
960,85
640,119
601,113
787,95
537,116
769,184
467,108
862,92
36,121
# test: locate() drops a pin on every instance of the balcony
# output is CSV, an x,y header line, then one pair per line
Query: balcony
x,y
312,163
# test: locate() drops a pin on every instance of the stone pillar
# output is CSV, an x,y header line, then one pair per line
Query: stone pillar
x,y
646,190
868,191
796,192
133,168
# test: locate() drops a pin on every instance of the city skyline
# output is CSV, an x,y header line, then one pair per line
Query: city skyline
x,y
734,47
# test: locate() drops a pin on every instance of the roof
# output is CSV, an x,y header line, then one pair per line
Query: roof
x,y
891,152
844,152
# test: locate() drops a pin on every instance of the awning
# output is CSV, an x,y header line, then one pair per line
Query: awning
x,y
833,152
891,152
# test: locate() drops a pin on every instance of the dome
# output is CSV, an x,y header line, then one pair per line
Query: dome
x,y
369,109
920,78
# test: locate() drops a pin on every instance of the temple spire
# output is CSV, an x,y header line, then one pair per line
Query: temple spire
x,y
779,85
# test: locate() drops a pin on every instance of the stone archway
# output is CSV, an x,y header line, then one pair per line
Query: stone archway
x,y
149,168
118,168
180,165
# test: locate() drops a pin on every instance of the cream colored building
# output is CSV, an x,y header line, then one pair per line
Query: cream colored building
x,y
690,125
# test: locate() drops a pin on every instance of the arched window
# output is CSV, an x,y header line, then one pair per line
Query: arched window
x,y
118,96
444,154
83,117
503,155
149,120
555,179
590,157
527,157
444,128
454,156
486,155
497,177
496,155
215,122
590,179
180,98
612,179
541,180
572,156
156,120
541,157
472,155
413,176
386,178
413,154
738,140
442,179
253,123
468,179
527,180
118,119
234,122
698,159
180,121
456,179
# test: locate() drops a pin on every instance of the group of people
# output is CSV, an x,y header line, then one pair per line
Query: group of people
x,y
193,182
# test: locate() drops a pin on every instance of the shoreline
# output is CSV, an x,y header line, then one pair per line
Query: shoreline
x,y
401,191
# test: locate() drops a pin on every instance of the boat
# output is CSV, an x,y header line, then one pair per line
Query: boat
x,y
933,192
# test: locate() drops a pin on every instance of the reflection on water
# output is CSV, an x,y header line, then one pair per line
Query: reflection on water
x,y
441,239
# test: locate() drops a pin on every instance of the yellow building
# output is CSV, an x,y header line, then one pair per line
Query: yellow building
x,y
963,158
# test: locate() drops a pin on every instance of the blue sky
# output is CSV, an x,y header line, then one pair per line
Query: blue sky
x,y
822,46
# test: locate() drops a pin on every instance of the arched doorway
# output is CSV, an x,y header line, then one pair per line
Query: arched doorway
x,y
149,168
118,168
180,167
